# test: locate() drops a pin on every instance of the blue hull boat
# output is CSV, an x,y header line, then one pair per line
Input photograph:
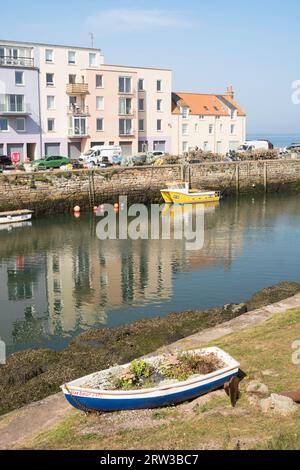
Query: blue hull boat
x,y
84,398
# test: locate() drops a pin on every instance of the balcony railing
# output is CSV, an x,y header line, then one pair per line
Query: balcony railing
x,y
127,133
76,110
127,93
17,61
6,109
77,89
78,133
128,112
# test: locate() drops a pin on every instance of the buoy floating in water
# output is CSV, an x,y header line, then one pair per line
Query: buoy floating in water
x,y
77,209
116,206
95,209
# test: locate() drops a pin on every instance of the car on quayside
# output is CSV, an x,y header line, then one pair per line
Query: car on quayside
x,y
53,161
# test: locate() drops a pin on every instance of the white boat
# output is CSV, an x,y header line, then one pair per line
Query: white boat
x,y
85,397
11,217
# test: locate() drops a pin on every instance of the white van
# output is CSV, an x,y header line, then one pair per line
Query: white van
x,y
97,153
252,145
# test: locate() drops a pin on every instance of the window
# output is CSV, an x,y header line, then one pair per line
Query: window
x,y
50,102
51,125
124,85
20,125
185,129
50,79
205,146
49,56
92,59
79,126
72,57
72,79
159,105
125,126
141,125
158,85
141,105
99,124
159,125
3,125
99,81
125,106
185,112
185,147
201,116
19,78
99,103
211,129
141,84
232,128
12,103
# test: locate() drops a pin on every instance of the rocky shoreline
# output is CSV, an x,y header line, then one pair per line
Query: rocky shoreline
x,y
33,375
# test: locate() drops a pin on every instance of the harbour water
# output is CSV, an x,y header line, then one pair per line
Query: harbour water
x,y
278,140
58,279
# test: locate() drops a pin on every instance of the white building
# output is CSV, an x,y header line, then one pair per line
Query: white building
x,y
210,122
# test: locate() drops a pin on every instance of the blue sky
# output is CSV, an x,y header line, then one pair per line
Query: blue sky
x,y
208,44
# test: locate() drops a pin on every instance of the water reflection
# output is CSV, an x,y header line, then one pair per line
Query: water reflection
x,y
57,278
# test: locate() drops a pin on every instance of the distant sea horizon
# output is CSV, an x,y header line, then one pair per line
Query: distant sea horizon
x,y
278,140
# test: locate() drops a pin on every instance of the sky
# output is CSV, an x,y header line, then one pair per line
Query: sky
x,y
208,44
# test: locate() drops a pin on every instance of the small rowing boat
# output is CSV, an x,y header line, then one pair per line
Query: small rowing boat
x,y
11,217
95,392
179,192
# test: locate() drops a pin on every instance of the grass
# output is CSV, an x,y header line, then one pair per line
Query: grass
x,y
213,425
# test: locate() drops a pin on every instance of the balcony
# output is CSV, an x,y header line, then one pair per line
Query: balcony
x,y
127,133
7,110
128,113
16,61
77,89
75,133
76,110
127,93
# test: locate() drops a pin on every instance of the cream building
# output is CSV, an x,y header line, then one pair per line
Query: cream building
x,y
210,122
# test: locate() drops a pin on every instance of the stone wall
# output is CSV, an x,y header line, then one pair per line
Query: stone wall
x,y
60,191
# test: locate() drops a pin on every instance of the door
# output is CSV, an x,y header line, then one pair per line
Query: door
x,y
31,150
16,148
52,149
74,150
126,149
219,147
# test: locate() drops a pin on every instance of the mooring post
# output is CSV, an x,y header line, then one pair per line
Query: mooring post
x,y
265,176
237,178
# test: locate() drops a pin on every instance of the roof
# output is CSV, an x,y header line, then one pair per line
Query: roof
x,y
33,44
204,104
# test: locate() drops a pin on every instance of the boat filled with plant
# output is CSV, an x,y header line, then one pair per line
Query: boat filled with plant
x,y
153,382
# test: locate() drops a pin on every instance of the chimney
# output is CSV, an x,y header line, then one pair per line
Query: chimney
x,y
230,92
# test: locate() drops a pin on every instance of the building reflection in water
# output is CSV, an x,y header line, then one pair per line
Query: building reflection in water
x,y
58,279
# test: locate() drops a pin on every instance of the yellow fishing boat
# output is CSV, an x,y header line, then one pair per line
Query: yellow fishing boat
x,y
179,192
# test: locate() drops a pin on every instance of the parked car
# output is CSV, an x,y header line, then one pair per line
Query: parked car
x,y
97,153
5,161
139,159
294,147
51,162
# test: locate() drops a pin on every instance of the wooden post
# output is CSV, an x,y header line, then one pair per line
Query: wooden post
x,y
237,178
265,176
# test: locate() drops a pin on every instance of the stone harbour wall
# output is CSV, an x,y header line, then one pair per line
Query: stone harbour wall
x,y
58,191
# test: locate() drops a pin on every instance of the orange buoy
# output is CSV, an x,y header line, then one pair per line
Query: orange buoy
x,y
116,206
95,209
77,209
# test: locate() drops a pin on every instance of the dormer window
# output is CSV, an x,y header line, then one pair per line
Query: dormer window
x,y
185,112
